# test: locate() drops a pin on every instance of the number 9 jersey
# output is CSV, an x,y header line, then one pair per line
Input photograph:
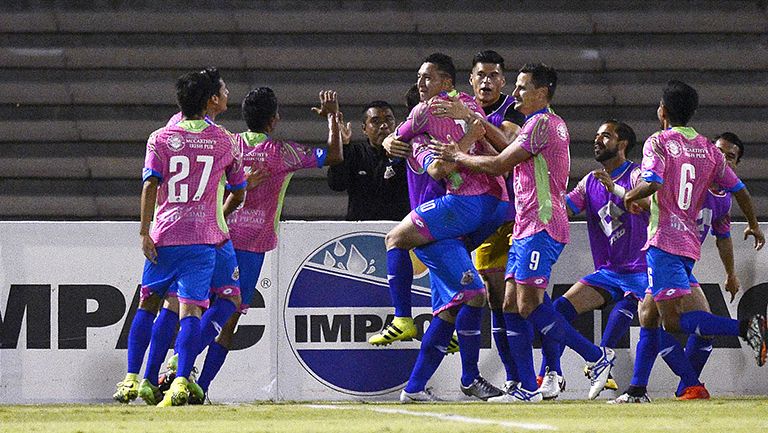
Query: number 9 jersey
x,y
193,160
686,164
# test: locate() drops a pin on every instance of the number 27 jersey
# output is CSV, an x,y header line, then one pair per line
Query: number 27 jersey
x,y
686,164
193,161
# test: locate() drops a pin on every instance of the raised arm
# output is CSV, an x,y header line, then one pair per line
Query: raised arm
x,y
335,149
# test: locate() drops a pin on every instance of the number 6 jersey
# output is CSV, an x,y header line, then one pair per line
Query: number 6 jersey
x,y
193,161
686,164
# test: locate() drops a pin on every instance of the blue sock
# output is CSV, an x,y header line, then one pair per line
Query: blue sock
x,y
519,336
647,349
618,321
138,339
432,352
400,278
673,355
214,319
468,329
697,350
188,343
702,324
499,331
564,307
214,359
163,332
550,349
551,323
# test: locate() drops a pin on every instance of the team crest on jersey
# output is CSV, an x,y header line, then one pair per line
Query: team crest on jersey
x,y
562,131
338,297
236,273
674,148
176,142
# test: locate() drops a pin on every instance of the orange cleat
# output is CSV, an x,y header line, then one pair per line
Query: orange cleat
x,y
695,392
539,380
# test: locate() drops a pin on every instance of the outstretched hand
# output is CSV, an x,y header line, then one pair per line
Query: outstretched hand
x,y
329,103
345,129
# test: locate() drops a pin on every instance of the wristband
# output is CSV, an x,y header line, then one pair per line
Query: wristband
x,y
618,190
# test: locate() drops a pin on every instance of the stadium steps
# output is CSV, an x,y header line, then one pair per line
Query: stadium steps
x,y
83,83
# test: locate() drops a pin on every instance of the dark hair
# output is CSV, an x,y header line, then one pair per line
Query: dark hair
x,y
259,107
376,104
215,77
542,76
732,138
681,101
624,132
412,97
444,64
193,90
488,56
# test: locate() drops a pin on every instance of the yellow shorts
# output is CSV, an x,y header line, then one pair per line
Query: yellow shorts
x,y
491,256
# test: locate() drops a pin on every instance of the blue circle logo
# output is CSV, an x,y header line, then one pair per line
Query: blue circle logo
x,y
337,298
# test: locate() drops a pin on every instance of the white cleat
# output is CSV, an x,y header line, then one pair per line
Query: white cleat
x,y
509,386
599,372
626,398
425,396
518,395
552,385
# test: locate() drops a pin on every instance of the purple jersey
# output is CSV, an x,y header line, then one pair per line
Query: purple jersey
x,y
496,117
715,215
421,121
192,159
421,186
686,164
616,236
254,225
542,179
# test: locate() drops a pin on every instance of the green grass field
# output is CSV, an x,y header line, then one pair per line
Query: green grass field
x,y
717,415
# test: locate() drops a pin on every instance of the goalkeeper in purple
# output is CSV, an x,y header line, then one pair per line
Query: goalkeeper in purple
x,y
541,162
679,166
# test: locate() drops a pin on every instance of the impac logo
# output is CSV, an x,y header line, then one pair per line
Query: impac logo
x,y
339,297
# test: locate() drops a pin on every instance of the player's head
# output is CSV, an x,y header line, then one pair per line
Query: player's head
x,y
378,121
412,97
260,110
193,90
731,146
487,76
678,103
614,139
437,74
218,102
534,88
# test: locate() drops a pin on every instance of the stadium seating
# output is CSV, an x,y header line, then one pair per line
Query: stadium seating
x,y
82,84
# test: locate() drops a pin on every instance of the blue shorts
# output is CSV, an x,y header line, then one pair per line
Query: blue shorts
x,y
226,274
618,285
452,216
530,259
453,278
250,267
187,267
669,276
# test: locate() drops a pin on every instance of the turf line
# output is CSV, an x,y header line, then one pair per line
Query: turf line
x,y
440,416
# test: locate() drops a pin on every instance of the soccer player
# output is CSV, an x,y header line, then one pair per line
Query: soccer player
x,y
253,226
541,162
144,324
474,204
679,165
216,105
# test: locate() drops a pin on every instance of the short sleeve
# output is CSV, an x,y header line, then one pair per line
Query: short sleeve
x,y
307,156
721,227
153,162
535,135
235,172
577,198
653,160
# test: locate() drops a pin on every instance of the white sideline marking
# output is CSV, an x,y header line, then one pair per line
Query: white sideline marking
x,y
441,416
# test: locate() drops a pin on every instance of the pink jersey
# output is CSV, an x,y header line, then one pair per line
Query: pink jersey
x,y
686,164
178,117
192,159
254,225
421,122
541,181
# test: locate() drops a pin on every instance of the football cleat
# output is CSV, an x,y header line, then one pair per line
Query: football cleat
x,y
599,372
540,380
509,386
518,395
757,334
149,393
128,389
552,385
196,393
177,395
626,398
418,397
173,363
481,389
695,392
453,346
610,384
401,328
